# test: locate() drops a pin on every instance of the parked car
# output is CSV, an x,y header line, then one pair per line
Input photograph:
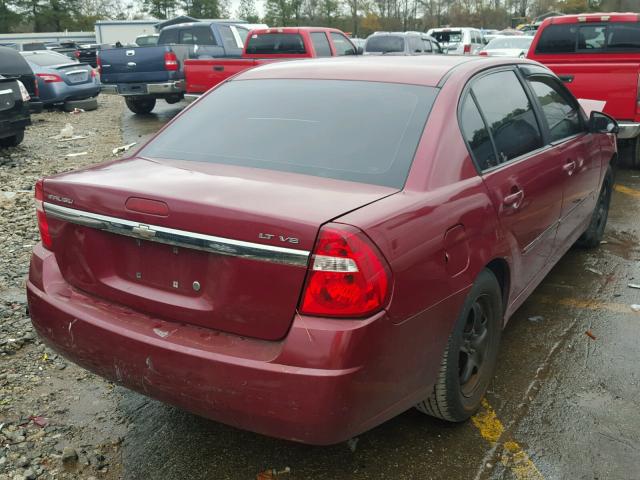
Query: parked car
x,y
15,114
144,74
401,43
461,41
63,81
266,46
346,241
87,53
598,57
14,66
507,47
66,48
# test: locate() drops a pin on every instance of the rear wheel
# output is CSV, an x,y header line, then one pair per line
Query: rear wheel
x,y
86,104
13,140
470,357
140,105
595,231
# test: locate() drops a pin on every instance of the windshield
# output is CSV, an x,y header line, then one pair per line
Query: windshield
x,y
447,37
347,130
384,44
521,43
47,59
284,43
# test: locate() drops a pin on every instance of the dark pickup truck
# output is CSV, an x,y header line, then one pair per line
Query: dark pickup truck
x,y
144,74
14,112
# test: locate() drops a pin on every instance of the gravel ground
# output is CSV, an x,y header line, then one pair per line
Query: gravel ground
x,y
56,420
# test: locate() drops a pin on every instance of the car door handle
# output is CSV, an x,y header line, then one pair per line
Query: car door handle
x,y
514,199
566,78
218,68
569,167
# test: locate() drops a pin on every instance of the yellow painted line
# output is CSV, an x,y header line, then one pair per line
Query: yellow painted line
x,y
585,304
626,190
513,455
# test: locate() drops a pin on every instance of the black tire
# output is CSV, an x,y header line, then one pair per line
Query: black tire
x,y
634,152
140,105
592,236
13,140
86,104
469,359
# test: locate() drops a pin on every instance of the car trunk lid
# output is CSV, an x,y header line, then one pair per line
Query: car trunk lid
x,y
216,246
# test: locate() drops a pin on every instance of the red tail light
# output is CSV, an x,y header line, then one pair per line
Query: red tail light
x,y
99,64
170,61
93,73
36,89
43,225
348,276
76,54
483,53
638,97
49,77
467,49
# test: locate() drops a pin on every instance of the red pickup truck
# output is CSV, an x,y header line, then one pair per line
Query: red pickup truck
x,y
598,57
265,46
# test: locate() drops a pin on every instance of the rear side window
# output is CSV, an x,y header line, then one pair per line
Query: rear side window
x,y
447,37
342,45
197,36
415,45
591,37
347,130
508,113
274,43
384,44
427,45
320,44
228,38
476,134
561,115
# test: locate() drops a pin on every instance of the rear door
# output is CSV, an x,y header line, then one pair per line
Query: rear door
x,y
523,176
576,149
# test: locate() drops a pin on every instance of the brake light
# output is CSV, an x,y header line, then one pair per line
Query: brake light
x,y
49,77
36,89
76,54
24,94
43,224
93,73
99,64
467,49
483,53
170,61
348,276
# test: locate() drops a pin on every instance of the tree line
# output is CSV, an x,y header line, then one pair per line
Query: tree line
x,y
359,17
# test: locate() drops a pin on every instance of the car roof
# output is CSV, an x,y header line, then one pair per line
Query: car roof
x,y
417,70
401,34
594,17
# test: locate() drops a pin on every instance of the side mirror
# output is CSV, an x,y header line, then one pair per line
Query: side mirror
x,y
359,50
602,123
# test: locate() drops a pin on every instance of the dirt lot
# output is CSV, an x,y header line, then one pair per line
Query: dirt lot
x,y
563,405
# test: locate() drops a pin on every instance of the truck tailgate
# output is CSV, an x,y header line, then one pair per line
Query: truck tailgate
x,y
201,75
129,65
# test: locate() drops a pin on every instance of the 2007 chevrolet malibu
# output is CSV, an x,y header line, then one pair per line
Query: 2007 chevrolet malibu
x,y
314,247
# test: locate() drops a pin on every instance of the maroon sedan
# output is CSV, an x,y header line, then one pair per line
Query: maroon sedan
x,y
315,247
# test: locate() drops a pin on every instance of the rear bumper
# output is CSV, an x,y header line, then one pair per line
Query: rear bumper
x,y
327,381
131,89
628,130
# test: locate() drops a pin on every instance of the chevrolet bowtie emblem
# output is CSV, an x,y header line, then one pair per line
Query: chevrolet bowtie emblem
x,y
144,231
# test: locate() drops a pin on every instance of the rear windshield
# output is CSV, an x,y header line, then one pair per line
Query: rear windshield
x,y
590,38
284,43
447,37
347,130
48,59
510,42
384,44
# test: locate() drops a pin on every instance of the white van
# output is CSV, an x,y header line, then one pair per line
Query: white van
x,y
456,40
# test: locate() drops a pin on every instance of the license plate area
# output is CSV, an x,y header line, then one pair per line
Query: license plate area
x,y
133,89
